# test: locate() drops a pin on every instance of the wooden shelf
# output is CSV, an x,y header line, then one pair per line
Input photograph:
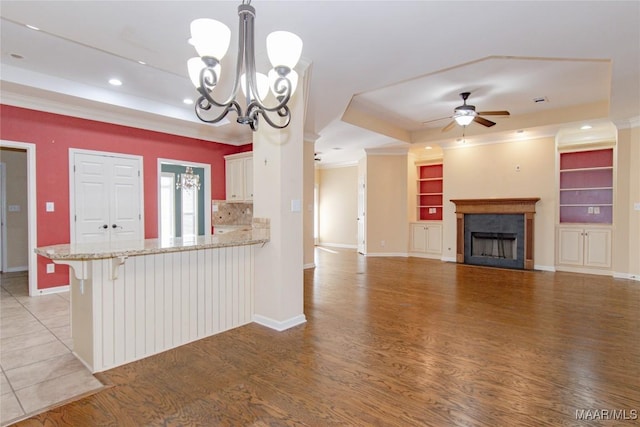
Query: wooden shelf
x,y
586,187
429,192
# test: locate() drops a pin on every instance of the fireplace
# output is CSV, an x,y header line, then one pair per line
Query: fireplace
x,y
495,232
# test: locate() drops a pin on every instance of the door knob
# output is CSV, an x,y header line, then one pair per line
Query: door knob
x,y
104,226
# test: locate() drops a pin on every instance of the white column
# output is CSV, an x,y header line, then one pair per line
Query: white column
x,y
278,195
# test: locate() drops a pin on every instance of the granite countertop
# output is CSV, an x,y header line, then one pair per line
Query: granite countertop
x,y
88,251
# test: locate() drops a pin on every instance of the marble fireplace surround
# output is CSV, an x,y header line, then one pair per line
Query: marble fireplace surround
x,y
524,206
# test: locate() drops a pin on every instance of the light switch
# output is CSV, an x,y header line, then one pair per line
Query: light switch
x,y
49,207
636,206
14,208
296,205
51,268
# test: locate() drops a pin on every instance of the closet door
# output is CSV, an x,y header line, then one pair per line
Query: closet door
x,y
107,198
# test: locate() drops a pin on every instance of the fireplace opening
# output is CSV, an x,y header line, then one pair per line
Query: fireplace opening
x,y
494,245
494,240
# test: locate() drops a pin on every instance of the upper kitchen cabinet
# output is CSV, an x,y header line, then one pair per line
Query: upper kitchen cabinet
x,y
239,177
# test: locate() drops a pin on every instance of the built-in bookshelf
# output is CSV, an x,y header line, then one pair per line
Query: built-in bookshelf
x,y
429,192
586,186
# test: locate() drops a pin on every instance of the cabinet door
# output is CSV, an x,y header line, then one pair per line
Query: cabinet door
x,y
597,247
434,238
235,180
248,178
418,238
570,246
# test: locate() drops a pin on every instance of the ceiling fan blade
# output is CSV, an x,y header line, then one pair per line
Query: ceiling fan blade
x,y
483,121
494,113
449,126
436,120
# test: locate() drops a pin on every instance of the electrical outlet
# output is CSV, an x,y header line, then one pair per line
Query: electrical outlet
x,y
382,243
51,268
590,210
596,210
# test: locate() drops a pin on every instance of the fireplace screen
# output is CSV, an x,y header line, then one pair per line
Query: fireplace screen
x,y
494,245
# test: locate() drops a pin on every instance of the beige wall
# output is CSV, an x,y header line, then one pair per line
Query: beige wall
x,y
308,202
626,233
15,162
387,229
489,171
338,206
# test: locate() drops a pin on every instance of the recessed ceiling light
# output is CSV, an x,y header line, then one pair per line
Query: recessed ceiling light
x,y
585,127
428,147
17,56
337,148
115,82
32,27
188,101
520,131
142,63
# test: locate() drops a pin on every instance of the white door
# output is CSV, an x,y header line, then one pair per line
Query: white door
x,y
361,214
107,198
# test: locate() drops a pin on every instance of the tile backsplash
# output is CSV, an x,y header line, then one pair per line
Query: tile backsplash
x,y
226,213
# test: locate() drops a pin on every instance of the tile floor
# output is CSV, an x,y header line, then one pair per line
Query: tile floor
x,y
38,368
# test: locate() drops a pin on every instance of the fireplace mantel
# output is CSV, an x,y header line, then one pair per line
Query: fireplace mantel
x,y
519,205
510,205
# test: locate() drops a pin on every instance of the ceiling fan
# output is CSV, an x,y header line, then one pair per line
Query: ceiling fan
x,y
465,114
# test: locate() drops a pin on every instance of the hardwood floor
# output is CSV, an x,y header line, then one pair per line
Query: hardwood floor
x,y
399,342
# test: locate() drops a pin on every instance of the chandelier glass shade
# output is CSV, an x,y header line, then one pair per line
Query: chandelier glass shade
x,y
211,40
188,180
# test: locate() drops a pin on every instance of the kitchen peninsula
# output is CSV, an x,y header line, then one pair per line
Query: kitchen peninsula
x,y
130,300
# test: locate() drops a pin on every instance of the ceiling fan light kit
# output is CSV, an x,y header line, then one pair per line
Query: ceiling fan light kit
x,y
465,114
211,40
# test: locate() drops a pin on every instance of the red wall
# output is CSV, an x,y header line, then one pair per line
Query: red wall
x,y
54,134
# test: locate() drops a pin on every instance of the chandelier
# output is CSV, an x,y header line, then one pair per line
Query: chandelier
x,y
211,40
188,180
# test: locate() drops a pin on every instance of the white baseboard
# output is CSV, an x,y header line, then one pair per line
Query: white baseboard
x,y
54,290
448,259
628,276
17,269
387,254
544,268
338,245
423,255
310,265
279,325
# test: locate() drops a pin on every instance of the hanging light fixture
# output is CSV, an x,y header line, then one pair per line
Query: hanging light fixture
x,y
211,40
464,117
188,180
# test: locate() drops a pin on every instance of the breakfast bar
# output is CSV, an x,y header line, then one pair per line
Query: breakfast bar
x,y
133,299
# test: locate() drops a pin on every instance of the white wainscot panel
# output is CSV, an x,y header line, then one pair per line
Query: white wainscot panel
x,y
158,302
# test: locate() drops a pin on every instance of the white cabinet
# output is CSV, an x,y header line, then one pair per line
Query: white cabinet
x,y
248,178
426,239
239,177
584,247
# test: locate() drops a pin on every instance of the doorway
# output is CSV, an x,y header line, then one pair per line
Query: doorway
x,y
183,212
25,209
